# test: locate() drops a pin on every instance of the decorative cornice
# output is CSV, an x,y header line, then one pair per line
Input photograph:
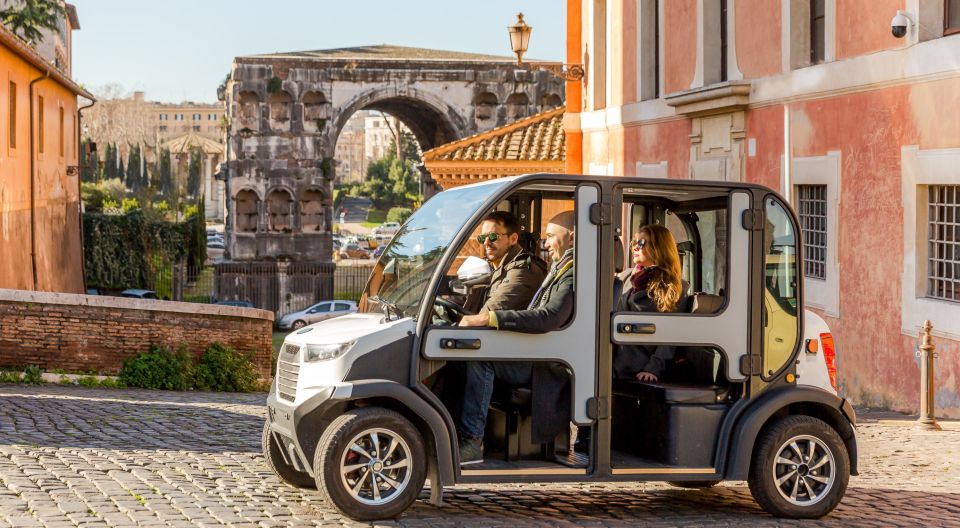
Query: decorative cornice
x,y
714,99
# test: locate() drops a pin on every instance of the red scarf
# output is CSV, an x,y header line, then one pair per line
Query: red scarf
x,y
641,276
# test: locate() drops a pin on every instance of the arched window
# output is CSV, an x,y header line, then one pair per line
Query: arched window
x,y
249,110
485,104
517,106
549,101
311,211
279,211
280,104
248,206
316,111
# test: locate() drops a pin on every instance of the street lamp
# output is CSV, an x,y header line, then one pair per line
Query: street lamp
x,y
520,41
519,37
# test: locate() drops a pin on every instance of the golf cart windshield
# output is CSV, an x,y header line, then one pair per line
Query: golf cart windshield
x,y
403,272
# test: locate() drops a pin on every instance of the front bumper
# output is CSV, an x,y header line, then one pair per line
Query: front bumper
x,y
299,437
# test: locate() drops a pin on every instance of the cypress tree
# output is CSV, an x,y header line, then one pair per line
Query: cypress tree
x,y
166,175
134,176
193,174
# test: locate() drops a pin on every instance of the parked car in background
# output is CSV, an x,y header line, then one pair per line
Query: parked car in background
x,y
214,251
318,312
387,228
379,251
134,293
354,251
238,304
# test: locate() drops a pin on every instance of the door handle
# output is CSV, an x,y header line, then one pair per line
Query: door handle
x,y
459,344
637,328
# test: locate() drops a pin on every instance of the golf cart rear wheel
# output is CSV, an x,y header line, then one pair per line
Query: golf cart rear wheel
x,y
370,464
800,468
275,461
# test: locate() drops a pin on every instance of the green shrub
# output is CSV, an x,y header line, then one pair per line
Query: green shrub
x,y
223,369
32,375
158,369
10,377
399,214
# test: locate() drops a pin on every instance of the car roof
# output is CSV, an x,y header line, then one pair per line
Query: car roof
x,y
661,182
136,291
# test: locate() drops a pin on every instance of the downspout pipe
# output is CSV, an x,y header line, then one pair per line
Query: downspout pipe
x,y
83,274
33,182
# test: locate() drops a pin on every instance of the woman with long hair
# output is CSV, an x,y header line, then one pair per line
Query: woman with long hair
x,y
655,285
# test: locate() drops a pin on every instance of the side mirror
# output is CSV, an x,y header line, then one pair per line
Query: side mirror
x,y
457,286
474,271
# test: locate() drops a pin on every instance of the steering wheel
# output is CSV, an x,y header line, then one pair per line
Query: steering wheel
x,y
452,312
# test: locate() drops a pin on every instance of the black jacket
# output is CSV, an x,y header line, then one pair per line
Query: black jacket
x,y
550,381
628,360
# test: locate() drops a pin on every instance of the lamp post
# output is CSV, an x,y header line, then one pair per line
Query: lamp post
x,y
519,37
520,41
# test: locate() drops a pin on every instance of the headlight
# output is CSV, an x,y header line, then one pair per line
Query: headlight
x,y
313,353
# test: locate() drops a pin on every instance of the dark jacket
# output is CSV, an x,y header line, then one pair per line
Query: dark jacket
x,y
550,381
514,282
628,360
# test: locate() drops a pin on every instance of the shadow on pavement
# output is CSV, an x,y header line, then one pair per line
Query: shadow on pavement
x,y
676,507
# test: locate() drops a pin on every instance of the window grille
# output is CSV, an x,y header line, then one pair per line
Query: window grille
x,y
943,242
813,222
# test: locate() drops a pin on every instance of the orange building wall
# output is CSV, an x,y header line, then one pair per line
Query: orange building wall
x,y
653,143
57,200
625,58
680,44
758,26
863,26
876,362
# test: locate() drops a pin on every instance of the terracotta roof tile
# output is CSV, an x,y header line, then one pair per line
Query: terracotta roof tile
x,y
536,138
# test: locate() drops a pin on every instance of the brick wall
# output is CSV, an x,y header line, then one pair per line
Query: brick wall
x,y
84,332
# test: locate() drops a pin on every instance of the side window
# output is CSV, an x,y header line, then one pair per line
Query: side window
x,y
321,308
341,307
780,302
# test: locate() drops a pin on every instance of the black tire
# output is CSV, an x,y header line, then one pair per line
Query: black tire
x,y
695,484
334,451
816,484
298,324
275,461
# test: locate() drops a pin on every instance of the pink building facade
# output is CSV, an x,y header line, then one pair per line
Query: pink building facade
x,y
816,99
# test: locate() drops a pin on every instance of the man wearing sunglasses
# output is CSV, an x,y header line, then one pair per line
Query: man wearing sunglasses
x,y
550,308
516,273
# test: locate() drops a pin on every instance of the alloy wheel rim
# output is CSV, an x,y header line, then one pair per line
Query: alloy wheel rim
x,y
804,470
375,466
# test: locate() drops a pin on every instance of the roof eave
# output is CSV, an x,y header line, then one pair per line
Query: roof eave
x,y
24,51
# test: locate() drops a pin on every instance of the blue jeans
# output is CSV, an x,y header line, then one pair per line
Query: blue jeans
x,y
479,389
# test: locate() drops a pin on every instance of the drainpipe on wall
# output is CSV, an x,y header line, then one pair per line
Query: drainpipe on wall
x,y
83,273
787,156
33,178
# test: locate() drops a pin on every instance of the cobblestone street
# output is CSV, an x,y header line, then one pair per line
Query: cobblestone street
x,y
72,456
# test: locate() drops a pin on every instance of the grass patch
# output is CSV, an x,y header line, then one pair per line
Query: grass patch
x,y
375,217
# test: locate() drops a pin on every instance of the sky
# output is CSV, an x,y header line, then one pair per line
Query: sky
x,y
180,50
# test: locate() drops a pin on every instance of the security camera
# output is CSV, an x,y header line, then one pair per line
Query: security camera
x,y
898,26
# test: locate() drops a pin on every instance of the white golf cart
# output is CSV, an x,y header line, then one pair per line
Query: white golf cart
x,y
364,406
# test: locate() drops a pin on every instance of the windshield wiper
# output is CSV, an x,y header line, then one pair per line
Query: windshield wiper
x,y
387,307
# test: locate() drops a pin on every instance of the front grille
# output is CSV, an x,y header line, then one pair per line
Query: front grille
x,y
288,369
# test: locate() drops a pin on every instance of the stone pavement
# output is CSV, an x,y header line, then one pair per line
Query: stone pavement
x,y
71,456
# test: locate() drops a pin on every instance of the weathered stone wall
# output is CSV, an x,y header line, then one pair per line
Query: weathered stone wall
x,y
83,333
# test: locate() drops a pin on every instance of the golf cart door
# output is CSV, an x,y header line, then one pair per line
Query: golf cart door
x,y
574,345
726,329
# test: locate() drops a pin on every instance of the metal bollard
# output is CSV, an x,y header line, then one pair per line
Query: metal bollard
x,y
927,419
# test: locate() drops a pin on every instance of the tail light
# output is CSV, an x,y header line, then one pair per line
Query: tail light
x,y
830,356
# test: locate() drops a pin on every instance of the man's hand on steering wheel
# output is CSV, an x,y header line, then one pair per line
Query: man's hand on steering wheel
x,y
449,310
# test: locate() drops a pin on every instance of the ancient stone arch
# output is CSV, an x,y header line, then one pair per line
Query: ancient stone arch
x,y
288,109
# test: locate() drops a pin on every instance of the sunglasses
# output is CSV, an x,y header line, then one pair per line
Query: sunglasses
x,y
638,244
492,236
